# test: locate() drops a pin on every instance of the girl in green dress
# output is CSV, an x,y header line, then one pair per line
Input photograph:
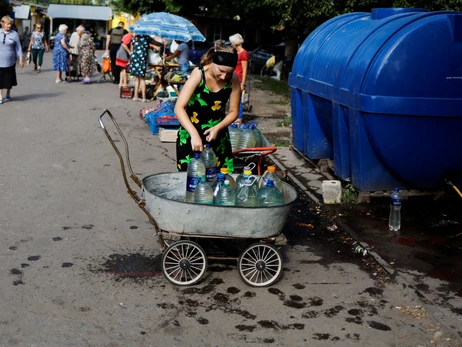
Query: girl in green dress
x,y
200,108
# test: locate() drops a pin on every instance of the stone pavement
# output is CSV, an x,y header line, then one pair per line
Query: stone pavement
x,y
81,267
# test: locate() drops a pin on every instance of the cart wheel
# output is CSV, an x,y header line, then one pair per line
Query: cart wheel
x,y
184,263
260,265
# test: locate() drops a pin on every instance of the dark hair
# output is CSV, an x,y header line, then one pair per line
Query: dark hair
x,y
219,46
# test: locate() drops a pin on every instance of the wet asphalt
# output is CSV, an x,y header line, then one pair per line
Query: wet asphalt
x,y
81,267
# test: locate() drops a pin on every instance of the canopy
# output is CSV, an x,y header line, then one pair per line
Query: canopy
x,y
80,12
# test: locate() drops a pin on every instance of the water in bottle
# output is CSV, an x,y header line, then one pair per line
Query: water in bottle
x,y
203,193
269,195
210,161
247,190
394,221
234,136
249,168
258,141
226,195
219,182
231,180
248,138
270,174
196,169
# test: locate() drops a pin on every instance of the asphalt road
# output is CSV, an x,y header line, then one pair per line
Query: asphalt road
x,y
79,262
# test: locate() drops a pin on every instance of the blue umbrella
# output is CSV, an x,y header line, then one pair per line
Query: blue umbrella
x,y
167,26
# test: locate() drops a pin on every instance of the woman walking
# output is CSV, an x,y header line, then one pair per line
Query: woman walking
x,y
201,108
61,53
10,49
38,44
241,68
86,49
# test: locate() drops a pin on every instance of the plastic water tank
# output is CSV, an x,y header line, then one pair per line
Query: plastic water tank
x,y
381,94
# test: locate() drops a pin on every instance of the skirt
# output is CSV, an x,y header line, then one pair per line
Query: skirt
x,y
8,77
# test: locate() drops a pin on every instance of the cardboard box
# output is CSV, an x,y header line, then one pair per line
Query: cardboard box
x,y
168,134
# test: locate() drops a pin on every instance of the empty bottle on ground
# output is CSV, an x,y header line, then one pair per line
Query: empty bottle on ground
x,y
394,221
247,190
230,178
196,169
210,161
234,136
269,195
218,182
248,138
271,174
226,195
203,193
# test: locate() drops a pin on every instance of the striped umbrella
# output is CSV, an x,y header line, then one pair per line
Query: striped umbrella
x,y
167,26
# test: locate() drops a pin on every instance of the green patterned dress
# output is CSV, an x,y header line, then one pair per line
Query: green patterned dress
x,y
205,110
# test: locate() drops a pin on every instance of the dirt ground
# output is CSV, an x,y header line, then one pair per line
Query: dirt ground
x,y
268,109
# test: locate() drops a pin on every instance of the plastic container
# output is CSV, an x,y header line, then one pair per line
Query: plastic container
x,y
231,180
270,174
258,137
218,182
247,190
248,138
210,161
234,136
331,191
196,169
269,195
394,221
226,195
203,193
249,168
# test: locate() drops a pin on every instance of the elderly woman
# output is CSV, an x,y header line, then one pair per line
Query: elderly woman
x,y
10,49
86,49
241,67
61,53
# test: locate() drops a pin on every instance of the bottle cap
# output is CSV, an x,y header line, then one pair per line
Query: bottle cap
x,y
197,155
247,172
224,170
270,183
207,145
271,168
220,175
226,183
203,179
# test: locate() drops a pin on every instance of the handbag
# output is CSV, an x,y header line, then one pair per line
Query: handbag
x,y
122,54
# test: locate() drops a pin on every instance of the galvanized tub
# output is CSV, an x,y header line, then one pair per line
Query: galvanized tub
x,y
164,196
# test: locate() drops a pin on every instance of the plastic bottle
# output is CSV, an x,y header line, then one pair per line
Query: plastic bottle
x,y
359,249
253,125
196,169
210,161
231,180
219,182
226,195
269,195
394,221
203,193
249,167
234,136
247,190
270,174
248,138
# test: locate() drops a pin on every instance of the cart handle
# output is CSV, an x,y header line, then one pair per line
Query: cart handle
x,y
141,203
264,151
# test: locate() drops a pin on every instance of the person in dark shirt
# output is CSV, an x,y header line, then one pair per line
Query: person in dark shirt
x,y
113,42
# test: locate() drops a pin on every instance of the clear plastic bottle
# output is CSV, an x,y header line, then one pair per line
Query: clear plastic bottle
x,y
226,195
248,138
247,190
253,125
196,169
269,195
203,193
394,221
210,161
249,167
234,136
270,174
231,180
219,181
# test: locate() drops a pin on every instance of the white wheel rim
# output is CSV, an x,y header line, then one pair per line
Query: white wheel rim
x,y
260,265
184,263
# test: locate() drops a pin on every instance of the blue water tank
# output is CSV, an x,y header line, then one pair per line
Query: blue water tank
x,y
381,94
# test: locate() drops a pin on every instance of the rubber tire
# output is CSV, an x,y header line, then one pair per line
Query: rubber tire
x,y
243,261
167,256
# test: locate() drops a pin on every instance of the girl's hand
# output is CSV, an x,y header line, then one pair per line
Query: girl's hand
x,y
196,144
211,134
